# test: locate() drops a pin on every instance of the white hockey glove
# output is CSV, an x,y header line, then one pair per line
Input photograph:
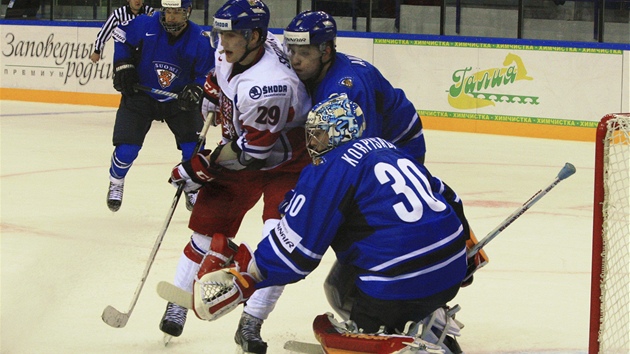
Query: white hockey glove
x,y
220,291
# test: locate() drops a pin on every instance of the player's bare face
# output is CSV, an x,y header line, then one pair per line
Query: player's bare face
x,y
135,5
234,45
306,61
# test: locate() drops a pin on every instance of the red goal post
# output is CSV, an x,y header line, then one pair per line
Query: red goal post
x,y
610,276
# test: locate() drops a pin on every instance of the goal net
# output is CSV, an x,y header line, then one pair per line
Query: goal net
x,y
610,278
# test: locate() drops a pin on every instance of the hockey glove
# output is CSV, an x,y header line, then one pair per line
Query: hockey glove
x,y
125,77
211,89
219,292
284,205
194,172
190,98
475,262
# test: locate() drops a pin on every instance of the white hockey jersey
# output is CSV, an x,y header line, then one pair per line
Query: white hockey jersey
x,y
263,108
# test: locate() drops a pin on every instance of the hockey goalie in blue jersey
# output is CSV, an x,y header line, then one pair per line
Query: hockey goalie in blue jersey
x,y
398,239
310,40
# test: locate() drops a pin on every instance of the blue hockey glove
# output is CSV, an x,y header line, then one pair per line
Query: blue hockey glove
x,y
284,205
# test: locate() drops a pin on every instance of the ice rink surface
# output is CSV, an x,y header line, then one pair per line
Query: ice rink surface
x,y
65,256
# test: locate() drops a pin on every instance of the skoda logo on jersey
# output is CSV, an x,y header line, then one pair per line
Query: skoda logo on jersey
x,y
274,89
255,92
166,73
347,82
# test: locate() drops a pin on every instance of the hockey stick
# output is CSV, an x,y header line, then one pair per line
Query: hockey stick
x,y
303,347
153,90
564,173
118,319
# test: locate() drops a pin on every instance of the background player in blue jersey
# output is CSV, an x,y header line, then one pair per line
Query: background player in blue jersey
x,y
165,51
310,41
394,227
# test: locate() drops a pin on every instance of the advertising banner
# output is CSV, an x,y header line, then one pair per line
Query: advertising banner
x,y
499,82
54,58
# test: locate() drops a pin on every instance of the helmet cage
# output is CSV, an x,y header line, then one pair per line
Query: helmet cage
x,y
339,117
183,5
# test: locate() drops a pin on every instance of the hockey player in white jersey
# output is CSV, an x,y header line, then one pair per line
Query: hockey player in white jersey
x,y
262,108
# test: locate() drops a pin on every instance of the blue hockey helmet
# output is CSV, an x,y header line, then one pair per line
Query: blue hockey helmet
x,y
331,123
311,28
241,15
185,6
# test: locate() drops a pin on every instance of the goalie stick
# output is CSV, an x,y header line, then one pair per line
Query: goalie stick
x,y
567,171
118,319
172,293
303,347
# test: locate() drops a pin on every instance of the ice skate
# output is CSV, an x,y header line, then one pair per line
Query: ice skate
x,y
173,321
248,335
115,193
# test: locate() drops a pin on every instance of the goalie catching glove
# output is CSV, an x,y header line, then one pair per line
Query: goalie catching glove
x,y
194,172
216,292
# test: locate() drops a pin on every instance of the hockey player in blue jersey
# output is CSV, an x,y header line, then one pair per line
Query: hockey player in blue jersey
x,y
165,51
396,231
310,42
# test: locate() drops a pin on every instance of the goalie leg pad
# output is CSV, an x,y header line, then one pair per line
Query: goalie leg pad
x,y
220,255
343,337
440,328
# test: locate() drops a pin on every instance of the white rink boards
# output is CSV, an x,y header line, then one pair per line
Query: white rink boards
x,y
65,256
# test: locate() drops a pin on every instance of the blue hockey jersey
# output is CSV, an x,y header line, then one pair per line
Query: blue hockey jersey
x,y
381,212
388,112
162,61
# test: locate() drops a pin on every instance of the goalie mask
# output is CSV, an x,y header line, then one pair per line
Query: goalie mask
x,y
331,123
175,14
